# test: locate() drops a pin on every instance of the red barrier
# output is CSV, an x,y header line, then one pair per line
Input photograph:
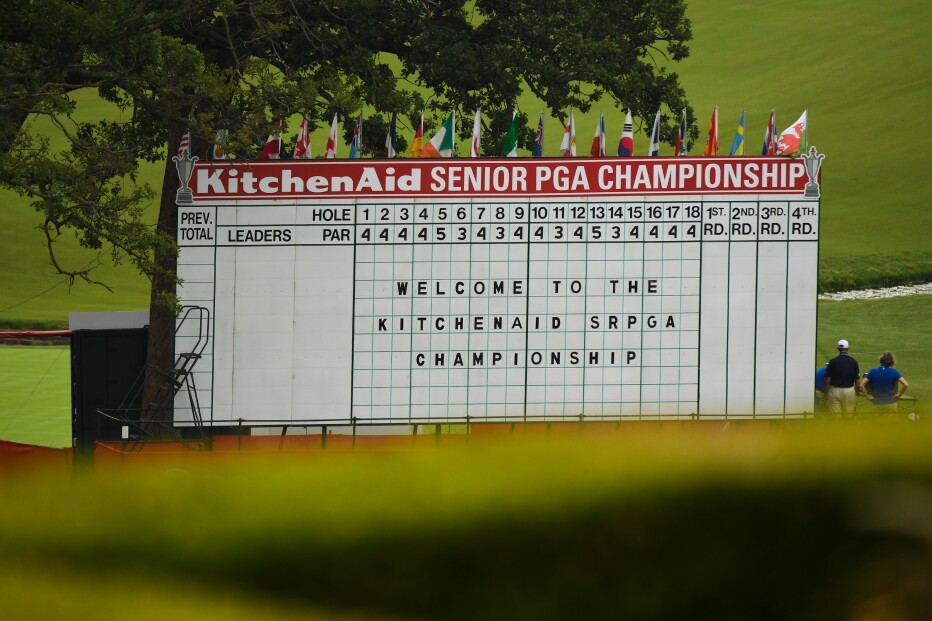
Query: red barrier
x,y
17,455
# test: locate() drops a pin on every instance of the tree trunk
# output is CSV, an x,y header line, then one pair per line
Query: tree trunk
x,y
161,309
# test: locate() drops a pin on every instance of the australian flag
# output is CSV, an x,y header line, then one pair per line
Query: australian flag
x,y
537,147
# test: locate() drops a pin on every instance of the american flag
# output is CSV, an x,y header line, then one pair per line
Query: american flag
x,y
185,143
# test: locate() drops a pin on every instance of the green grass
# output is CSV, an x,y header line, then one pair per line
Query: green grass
x,y
35,380
35,384
815,523
865,75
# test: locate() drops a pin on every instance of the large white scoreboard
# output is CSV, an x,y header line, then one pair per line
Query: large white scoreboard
x,y
406,291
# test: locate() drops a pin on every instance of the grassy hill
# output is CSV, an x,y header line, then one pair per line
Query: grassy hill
x,y
863,74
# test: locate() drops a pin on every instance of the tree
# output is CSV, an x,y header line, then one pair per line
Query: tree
x,y
241,64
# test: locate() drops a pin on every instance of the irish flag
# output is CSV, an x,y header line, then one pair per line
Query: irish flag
x,y
794,138
441,145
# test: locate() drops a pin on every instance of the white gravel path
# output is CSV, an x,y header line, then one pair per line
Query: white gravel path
x,y
871,294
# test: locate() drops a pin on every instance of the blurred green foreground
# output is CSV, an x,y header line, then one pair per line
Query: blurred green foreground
x,y
831,522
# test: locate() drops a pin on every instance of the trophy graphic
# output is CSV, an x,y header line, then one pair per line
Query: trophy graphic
x,y
813,163
185,166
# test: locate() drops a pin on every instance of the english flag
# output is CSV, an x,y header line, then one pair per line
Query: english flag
x,y
568,146
476,127
273,144
331,152
302,146
794,139
626,144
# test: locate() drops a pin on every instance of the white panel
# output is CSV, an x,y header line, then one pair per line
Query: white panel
x,y
713,330
769,376
801,325
742,294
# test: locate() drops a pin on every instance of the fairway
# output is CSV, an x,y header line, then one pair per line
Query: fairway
x,y
37,399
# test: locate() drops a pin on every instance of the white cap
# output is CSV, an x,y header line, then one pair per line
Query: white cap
x,y
842,344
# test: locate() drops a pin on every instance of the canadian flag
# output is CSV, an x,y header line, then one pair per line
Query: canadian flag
x,y
794,138
273,145
302,147
331,151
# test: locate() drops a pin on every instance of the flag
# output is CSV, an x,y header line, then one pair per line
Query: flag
x,y
219,150
795,138
655,137
331,152
356,145
441,145
770,138
711,143
417,143
273,145
476,127
737,145
185,144
302,146
626,144
598,140
510,148
537,148
568,146
681,136
391,137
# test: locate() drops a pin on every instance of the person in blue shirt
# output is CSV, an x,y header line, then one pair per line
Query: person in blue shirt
x,y
820,386
886,384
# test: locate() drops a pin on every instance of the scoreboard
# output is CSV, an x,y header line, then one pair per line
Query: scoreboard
x,y
404,291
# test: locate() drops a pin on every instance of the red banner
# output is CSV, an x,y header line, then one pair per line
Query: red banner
x,y
506,177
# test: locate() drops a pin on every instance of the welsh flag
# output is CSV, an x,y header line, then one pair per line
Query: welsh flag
x,y
302,146
711,143
417,143
331,152
510,148
441,145
273,145
626,144
794,139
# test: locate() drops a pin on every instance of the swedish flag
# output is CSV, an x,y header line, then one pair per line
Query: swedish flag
x,y
737,145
